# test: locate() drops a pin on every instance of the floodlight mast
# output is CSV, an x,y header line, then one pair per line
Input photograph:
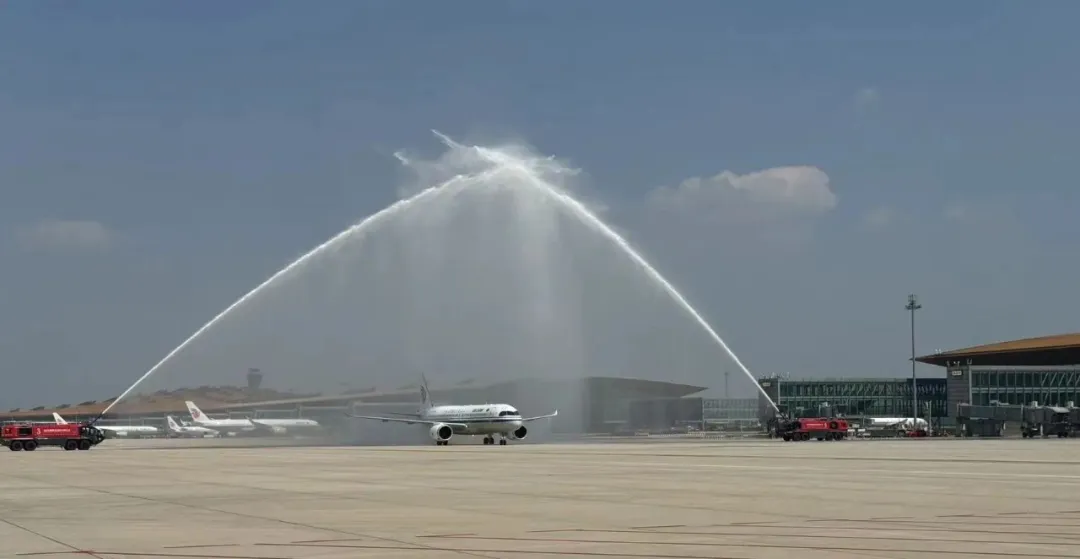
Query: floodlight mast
x,y
912,306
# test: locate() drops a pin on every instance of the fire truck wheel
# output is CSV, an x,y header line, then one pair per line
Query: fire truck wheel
x,y
30,445
84,445
16,445
71,445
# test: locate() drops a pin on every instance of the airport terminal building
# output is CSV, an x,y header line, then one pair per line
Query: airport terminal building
x,y
853,397
1044,370
1038,371
1035,371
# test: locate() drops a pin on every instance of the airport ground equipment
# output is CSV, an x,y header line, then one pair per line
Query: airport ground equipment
x,y
822,429
1035,421
1046,421
69,436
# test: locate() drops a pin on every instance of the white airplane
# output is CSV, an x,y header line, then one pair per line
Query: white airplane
x,y
282,426
116,430
898,423
193,431
444,422
228,426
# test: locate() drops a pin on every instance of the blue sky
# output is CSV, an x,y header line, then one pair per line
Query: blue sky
x,y
159,159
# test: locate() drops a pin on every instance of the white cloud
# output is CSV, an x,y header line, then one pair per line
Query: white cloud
x,y
879,217
866,99
772,194
52,234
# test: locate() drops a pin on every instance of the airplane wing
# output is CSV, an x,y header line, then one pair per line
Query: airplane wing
x,y
409,421
541,416
416,415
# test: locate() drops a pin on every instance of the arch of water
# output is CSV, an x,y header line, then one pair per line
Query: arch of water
x,y
495,273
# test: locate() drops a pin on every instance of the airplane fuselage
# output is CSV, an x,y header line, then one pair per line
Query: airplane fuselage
x,y
287,423
226,425
483,419
194,432
127,430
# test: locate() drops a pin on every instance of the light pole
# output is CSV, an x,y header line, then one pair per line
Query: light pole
x,y
912,306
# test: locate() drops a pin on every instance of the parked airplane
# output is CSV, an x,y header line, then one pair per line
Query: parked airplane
x,y
193,431
897,423
281,426
444,422
111,431
225,426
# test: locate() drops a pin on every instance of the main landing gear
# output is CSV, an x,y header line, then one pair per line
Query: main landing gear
x,y
490,439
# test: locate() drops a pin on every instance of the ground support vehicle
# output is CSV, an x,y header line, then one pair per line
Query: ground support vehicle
x,y
822,429
69,436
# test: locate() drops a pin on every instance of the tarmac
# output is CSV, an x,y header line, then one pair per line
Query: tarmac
x,y
703,499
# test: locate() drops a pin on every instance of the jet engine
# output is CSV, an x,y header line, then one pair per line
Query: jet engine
x,y
519,433
441,432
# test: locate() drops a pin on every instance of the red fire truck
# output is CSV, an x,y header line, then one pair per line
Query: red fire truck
x,y
822,429
69,436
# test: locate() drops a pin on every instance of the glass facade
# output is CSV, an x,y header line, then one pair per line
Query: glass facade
x,y
665,413
889,397
730,410
1049,386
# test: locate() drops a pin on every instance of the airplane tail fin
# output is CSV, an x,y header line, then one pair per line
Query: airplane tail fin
x,y
196,414
425,394
172,423
59,420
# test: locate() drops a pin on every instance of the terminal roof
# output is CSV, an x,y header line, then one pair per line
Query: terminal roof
x,y
1061,349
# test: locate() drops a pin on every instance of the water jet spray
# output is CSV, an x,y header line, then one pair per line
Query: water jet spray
x,y
484,166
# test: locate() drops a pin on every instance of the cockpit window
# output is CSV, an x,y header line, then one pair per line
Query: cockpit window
x,y
508,413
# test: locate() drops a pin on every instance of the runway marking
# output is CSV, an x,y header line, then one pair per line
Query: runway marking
x,y
151,554
193,546
896,535
532,552
410,545
655,555
671,466
71,548
758,545
540,451
330,540
787,530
